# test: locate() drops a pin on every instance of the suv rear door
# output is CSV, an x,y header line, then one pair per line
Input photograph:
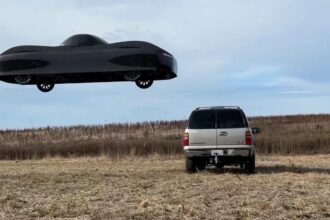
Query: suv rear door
x,y
231,127
202,129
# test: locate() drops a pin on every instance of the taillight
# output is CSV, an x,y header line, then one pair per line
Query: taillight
x,y
185,141
248,138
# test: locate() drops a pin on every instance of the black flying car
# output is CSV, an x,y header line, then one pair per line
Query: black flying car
x,y
87,58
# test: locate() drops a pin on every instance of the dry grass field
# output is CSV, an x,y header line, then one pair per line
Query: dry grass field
x,y
297,134
157,187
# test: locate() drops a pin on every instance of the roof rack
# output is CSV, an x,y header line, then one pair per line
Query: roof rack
x,y
219,107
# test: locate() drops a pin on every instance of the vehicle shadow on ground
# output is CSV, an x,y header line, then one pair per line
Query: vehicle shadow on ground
x,y
235,170
290,169
273,170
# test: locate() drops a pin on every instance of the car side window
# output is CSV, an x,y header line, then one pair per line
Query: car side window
x,y
202,119
230,119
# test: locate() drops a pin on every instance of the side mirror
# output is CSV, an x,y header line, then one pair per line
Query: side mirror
x,y
255,130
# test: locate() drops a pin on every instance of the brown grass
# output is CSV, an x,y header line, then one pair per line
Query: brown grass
x,y
157,187
297,134
300,134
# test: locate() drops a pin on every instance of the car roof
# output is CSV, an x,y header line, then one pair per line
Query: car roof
x,y
219,107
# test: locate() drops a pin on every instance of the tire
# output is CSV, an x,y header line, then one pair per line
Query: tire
x,y
250,167
190,165
144,82
132,76
219,165
23,79
45,87
200,164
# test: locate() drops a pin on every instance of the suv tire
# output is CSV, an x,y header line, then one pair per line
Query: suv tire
x,y
250,167
190,165
200,164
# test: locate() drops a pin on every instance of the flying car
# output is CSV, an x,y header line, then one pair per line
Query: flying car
x,y
85,58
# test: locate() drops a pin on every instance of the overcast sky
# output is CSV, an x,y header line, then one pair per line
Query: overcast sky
x,y
269,57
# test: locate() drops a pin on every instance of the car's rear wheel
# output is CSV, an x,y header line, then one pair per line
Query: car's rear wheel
x,y
132,76
23,79
144,82
190,165
45,87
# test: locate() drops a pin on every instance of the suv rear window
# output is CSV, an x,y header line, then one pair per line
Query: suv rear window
x,y
230,119
202,119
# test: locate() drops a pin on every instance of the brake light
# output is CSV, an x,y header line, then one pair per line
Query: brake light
x,y
185,141
248,138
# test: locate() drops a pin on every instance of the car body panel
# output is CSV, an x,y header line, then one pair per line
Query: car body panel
x,y
231,136
202,138
100,62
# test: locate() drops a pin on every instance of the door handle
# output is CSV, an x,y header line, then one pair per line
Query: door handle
x,y
223,133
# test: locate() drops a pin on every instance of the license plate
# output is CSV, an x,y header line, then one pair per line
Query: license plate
x,y
217,152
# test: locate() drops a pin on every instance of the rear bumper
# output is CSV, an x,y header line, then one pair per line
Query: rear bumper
x,y
222,152
227,156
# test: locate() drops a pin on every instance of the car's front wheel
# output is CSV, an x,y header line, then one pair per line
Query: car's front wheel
x,y
45,87
144,82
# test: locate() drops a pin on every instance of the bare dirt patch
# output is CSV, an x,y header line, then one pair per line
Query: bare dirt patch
x,y
284,187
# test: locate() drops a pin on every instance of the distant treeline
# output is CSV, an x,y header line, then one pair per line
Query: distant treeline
x,y
297,134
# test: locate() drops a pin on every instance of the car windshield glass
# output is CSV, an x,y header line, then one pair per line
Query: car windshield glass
x,y
83,40
230,119
202,119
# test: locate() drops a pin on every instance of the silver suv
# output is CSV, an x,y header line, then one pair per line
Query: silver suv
x,y
219,136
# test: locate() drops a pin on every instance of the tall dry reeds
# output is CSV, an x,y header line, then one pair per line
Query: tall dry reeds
x,y
300,134
296,134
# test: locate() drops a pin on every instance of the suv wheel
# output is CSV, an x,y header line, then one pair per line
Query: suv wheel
x,y
190,165
250,167
219,165
200,164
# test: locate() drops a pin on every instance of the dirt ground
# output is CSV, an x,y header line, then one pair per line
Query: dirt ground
x,y
284,187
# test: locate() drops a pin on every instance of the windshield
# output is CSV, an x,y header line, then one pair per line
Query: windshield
x,y
230,119
83,40
202,119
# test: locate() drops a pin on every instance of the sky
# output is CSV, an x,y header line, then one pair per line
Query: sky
x,y
268,57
